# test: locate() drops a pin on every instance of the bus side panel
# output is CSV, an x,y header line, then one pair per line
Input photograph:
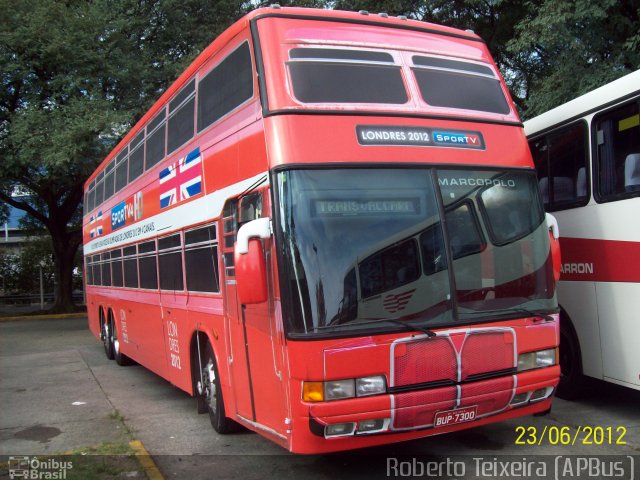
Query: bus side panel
x,y
140,316
619,339
578,299
176,338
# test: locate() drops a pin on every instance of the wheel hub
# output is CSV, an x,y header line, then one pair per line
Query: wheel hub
x,y
208,374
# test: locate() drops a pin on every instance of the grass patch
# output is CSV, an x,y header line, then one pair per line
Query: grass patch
x,y
118,417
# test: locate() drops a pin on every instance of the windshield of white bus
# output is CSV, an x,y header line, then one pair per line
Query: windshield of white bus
x,y
365,249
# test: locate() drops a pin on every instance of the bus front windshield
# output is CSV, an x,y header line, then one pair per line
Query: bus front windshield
x,y
369,249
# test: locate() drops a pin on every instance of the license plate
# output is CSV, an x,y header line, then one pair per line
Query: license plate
x,y
452,417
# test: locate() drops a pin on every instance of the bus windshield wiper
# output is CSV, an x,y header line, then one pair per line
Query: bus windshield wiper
x,y
524,311
430,333
406,324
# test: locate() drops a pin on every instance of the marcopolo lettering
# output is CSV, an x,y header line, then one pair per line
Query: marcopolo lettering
x,y
477,182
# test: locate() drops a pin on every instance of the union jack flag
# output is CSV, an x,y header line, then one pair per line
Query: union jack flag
x,y
181,181
96,222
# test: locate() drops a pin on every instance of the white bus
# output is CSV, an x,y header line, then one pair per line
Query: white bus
x,y
587,155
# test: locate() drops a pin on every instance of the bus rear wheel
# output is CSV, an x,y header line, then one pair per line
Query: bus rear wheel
x,y
120,358
211,395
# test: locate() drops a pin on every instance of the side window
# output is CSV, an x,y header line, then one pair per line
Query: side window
x,y
92,196
201,259
229,229
539,152
181,117
97,271
136,157
156,135
561,162
225,87
130,266
617,144
170,263
147,264
88,270
121,169
100,188
109,180
106,269
250,207
116,268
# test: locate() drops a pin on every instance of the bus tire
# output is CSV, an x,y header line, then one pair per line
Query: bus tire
x,y
120,358
106,335
571,378
212,394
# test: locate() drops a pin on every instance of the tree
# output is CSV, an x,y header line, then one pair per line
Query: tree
x,y
562,50
75,76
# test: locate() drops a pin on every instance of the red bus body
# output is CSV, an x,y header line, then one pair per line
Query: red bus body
x,y
262,362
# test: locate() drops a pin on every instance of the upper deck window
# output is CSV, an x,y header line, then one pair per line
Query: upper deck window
x,y
226,87
345,76
458,84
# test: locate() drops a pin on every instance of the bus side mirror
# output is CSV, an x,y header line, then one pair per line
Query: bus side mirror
x,y
251,269
554,238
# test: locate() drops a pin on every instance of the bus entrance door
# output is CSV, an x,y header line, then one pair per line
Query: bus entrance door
x,y
256,348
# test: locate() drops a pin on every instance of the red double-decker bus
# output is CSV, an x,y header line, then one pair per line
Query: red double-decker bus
x,y
328,230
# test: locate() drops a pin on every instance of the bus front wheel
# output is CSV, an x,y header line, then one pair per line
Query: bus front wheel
x,y
571,379
211,393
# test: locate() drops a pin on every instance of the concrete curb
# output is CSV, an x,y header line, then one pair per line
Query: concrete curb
x,y
150,467
44,317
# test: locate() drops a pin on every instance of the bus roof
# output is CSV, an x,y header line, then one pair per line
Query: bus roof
x,y
361,17
598,99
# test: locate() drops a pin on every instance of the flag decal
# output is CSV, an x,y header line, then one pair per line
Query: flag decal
x,y
181,180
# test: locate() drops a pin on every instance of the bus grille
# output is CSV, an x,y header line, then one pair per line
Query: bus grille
x,y
479,364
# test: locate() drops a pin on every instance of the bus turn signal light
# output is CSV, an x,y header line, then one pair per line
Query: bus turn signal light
x,y
312,391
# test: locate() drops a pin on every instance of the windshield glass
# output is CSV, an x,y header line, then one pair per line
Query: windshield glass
x,y
363,249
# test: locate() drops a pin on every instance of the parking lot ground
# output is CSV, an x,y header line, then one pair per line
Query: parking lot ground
x,y
58,392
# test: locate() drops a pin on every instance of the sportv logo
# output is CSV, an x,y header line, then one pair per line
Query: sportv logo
x,y
454,138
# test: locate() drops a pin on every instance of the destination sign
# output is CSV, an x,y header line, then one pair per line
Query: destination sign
x,y
418,136
348,207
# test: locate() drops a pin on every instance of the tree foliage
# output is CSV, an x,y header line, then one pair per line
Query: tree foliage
x,y
569,48
75,76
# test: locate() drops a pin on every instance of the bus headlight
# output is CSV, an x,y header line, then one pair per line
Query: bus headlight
x,y
370,386
539,359
338,389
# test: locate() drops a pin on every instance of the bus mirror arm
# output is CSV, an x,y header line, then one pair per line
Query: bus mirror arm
x,y
554,238
250,263
259,228
553,225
